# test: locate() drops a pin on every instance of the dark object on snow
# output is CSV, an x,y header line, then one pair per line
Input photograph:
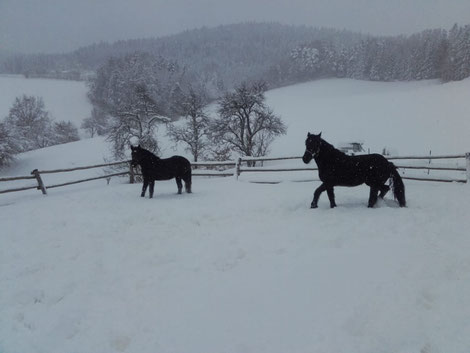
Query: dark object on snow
x,y
154,168
338,169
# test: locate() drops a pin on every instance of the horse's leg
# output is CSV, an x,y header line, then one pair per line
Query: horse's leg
x,y
179,184
373,196
144,187
187,183
331,195
316,195
151,186
383,190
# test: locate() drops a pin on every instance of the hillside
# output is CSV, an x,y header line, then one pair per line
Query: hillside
x,y
221,57
406,117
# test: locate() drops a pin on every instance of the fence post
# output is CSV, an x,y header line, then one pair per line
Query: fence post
x,y
429,160
41,186
237,167
131,174
467,158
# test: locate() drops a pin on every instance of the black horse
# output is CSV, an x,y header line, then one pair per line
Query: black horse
x,y
338,169
154,168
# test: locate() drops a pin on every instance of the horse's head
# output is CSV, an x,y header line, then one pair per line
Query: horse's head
x,y
312,147
137,155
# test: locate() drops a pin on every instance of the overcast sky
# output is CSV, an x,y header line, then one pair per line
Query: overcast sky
x,y
65,25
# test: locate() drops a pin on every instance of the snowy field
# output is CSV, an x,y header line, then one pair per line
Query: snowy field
x,y
406,117
241,267
234,267
65,100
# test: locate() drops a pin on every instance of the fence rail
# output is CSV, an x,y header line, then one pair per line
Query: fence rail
x,y
82,168
36,174
428,167
236,168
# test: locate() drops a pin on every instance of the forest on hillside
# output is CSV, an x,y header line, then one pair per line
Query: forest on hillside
x,y
221,58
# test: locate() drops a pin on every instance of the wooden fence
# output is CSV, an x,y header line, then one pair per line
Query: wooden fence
x,y
463,167
36,174
40,185
245,165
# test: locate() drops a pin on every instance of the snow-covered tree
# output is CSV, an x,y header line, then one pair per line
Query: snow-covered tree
x,y
8,146
29,123
137,92
135,122
64,132
459,41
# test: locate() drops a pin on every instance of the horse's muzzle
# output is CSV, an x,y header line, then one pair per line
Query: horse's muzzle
x,y
307,157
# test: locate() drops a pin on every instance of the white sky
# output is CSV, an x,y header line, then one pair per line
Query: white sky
x,y
65,25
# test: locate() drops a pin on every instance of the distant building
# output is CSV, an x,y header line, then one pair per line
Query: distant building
x,y
351,148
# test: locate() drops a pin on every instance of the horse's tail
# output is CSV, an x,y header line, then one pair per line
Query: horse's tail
x,y
397,186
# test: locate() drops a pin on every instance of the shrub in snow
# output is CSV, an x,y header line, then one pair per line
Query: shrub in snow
x,y
64,132
29,123
8,146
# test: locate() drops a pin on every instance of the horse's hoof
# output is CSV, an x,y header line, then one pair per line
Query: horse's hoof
x,y
332,206
313,206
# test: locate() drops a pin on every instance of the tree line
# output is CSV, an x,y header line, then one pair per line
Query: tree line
x,y
220,57
225,56
431,54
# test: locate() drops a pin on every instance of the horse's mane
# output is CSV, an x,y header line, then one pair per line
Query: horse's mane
x,y
149,155
329,149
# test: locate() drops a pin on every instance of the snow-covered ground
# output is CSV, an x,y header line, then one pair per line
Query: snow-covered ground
x,y
241,267
234,267
406,117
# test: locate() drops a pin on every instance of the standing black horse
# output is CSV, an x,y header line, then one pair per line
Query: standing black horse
x,y
154,168
338,169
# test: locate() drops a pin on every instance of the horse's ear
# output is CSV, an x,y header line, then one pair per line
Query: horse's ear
x,y
319,135
308,134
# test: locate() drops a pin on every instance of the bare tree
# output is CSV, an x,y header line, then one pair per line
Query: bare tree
x,y
245,123
193,133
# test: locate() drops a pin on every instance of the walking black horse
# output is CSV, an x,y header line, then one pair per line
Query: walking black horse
x,y
338,169
155,168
